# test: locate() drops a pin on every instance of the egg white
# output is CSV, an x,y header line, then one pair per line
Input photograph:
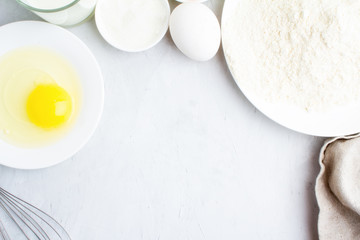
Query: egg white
x,y
21,70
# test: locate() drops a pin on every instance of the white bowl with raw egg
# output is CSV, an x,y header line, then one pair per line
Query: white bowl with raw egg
x,y
51,94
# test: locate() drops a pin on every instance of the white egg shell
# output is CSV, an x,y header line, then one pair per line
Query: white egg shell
x,y
195,31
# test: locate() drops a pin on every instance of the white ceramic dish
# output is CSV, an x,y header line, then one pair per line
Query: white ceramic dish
x,y
108,32
341,121
30,33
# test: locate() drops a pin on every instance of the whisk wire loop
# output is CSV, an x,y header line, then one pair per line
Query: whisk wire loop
x,y
31,221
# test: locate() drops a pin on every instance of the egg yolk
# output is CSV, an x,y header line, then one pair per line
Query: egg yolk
x,y
49,106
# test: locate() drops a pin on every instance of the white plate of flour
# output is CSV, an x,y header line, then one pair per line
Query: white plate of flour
x,y
298,62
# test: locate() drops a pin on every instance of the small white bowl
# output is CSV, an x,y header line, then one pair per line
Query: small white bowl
x,y
111,30
29,33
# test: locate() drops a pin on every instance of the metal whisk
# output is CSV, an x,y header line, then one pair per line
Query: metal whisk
x,y
21,220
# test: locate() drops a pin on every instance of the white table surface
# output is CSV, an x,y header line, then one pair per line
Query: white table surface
x,y
179,154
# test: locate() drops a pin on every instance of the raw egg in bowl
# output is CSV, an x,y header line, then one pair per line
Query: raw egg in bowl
x,y
51,94
40,96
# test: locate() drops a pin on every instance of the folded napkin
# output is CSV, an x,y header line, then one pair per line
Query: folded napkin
x,y
338,189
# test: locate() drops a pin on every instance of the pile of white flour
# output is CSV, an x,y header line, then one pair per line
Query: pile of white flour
x,y
302,52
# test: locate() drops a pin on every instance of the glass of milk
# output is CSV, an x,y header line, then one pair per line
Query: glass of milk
x,y
61,12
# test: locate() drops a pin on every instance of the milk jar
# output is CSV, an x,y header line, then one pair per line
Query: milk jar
x,y
61,12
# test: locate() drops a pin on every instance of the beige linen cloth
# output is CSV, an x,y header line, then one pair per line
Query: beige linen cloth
x,y
338,189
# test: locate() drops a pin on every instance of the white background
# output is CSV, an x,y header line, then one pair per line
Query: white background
x,y
179,154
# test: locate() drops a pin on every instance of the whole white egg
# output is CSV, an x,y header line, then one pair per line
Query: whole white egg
x,y
195,31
